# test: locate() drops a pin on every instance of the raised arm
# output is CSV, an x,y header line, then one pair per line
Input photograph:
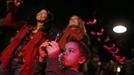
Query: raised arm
x,y
8,21
53,66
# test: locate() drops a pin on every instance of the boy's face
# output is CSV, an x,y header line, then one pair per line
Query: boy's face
x,y
71,56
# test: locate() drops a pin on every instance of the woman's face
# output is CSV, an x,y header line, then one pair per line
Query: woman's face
x,y
42,15
74,20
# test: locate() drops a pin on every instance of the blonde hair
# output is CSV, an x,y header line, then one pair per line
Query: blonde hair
x,y
81,23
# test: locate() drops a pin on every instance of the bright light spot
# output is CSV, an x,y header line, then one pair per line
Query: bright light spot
x,y
119,29
118,69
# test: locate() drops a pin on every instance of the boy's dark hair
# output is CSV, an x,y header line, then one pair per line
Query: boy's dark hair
x,y
84,51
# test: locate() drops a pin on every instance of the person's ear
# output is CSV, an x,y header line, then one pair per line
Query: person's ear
x,y
82,60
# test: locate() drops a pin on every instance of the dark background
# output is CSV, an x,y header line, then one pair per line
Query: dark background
x,y
111,12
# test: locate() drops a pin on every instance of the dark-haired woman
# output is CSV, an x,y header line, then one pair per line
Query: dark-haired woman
x,y
20,56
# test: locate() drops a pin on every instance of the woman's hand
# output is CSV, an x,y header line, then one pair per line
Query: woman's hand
x,y
18,3
13,5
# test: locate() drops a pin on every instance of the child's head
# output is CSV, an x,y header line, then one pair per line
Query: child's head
x,y
76,53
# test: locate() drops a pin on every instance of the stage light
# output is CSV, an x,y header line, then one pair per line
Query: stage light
x,y
119,29
118,69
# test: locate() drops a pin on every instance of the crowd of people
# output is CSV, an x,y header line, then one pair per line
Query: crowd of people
x,y
39,50
30,50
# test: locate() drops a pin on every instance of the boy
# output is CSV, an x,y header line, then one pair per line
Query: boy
x,y
75,54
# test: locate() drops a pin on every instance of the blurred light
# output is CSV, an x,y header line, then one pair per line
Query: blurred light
x,y
118,69
119,29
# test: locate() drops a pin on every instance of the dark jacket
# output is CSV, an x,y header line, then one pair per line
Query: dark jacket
x,y
54,68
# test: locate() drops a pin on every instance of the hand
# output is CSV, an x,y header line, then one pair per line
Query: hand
x,y
53,49
18,2
12,5
41,48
